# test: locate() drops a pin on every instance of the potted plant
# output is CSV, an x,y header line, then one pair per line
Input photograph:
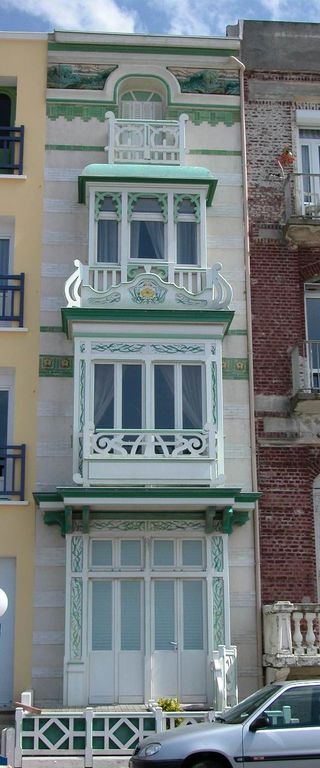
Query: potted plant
x,y
286,157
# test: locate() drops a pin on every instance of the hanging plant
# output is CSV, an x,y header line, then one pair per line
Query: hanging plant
x,y
286,157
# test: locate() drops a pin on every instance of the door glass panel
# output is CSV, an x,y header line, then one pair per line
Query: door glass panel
x,y
193,615
131,396
192,396
101,554
101,615
163,553
192,553
107,241
313,318
4,399
104,396
131,553
147,240
164,396
305,158
4,255
164,624
130,616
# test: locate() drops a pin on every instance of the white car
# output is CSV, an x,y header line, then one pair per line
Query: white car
x,y
276,726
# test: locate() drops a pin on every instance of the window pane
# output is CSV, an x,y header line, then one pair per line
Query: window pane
x,y
187,242
107,241
163,553
4,255
313,318
164,629
4,399
147,205
130,616
131,553
102,616
147,240
295,709
102,553
186,206
192,553
164,396
107,205
192,616
104,396
192,397
131,396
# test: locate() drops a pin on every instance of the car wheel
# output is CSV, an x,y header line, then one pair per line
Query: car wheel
x,y
208,763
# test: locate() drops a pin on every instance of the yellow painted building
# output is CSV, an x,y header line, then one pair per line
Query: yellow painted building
x,y
22,142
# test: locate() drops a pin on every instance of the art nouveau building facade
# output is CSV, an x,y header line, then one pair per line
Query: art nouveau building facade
x,y
145,557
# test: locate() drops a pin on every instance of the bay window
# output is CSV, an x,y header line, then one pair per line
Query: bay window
x,y
176,401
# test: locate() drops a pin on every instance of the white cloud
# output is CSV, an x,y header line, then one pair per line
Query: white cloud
x,y
292,10
86,15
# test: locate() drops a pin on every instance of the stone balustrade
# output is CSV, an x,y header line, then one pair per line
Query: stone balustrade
x,y
291,636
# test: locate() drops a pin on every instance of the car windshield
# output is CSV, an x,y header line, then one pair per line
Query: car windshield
x,y
247,707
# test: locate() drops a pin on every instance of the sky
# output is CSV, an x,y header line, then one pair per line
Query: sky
x,y
180,17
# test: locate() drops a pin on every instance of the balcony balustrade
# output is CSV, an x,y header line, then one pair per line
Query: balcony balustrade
x,y
146,141
11,150
12,471
291,636
305,361
194,279
12,299
302,208
148,455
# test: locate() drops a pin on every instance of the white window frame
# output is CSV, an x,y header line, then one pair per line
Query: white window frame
x,y
178,400
145,216
124,227
117,399
106,216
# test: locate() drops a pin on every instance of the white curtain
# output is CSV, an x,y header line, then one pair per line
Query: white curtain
x,y
103,394
107,241
155,230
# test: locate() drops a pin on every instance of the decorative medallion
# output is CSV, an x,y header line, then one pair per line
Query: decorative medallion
x,y
147,291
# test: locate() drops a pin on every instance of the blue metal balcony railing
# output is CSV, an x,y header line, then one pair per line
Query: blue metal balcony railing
x,y
12,471
12,298
11,149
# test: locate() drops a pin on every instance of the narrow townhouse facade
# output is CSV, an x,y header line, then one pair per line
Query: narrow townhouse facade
x,y
282,113
22,137
145,535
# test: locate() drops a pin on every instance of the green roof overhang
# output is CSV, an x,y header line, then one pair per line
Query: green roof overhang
x,y
220,508
151,174
72,315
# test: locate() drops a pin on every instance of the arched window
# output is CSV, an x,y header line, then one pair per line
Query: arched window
x,y
141,105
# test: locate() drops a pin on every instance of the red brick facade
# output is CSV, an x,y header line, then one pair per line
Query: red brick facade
x,y
287,465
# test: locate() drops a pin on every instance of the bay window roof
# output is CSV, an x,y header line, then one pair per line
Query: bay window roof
x,y
164,174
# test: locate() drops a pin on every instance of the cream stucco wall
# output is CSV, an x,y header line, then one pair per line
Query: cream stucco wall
x,y
23,64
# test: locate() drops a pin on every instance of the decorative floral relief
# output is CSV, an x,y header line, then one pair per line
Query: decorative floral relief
x,y
172,349
76,553
117,347
76,618
142,525
217,552
148,292
218,612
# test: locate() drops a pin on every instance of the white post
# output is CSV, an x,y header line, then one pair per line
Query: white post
x,y
18,750
182,138
159,718
110,136
277,628
88,759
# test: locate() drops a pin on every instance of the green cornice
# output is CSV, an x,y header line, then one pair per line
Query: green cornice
x,y
165,50
211,115
98,173
226,516
176,316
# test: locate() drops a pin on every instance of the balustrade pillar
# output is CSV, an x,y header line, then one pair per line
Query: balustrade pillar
x,y
297,634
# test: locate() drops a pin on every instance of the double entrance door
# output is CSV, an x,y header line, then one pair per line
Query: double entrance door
x,y
147,639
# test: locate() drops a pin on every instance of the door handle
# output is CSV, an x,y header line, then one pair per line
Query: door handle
x,y
175,644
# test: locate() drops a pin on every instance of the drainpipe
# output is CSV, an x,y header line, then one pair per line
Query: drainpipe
x,y
241,68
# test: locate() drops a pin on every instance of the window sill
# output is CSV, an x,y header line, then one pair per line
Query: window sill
x,y
6,329
12,503
16,176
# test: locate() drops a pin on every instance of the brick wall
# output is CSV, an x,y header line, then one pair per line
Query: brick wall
x,y
286,468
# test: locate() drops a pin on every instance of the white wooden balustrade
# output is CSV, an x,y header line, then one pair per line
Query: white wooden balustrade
x,y
146,141
305,360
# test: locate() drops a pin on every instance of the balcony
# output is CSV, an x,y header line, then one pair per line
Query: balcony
x,y
11,299
107,457
146,141
168,283
305,362
302,208
291,639
11,150
12,472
